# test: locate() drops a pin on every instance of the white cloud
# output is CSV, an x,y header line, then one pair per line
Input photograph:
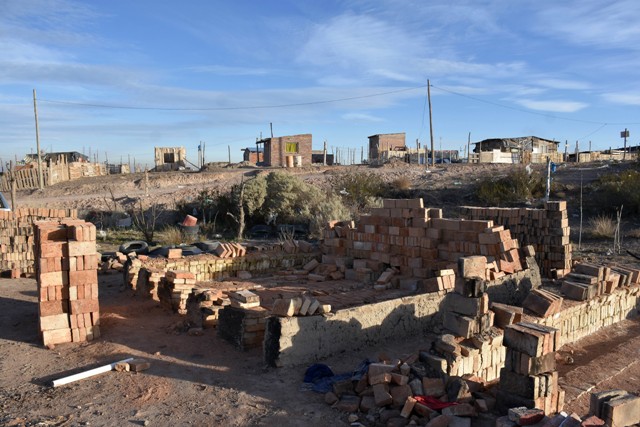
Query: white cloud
x,y
626,98
553,106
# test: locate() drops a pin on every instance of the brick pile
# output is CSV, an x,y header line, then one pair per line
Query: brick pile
x,y
67,278
587,281
547,230
416,242
16,237
529,377
174,290
203,307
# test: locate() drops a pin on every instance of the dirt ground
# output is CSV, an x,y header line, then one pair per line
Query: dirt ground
x,y
203,380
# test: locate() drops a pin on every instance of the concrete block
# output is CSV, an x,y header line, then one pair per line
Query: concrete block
x,y
622,411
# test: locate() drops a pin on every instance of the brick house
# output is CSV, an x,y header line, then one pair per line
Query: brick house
x,y
385,145
285,151
252,155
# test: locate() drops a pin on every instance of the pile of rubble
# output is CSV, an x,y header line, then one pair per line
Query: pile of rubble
x,y
586,281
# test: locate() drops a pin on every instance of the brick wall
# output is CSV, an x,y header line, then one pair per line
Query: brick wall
x,y
16,237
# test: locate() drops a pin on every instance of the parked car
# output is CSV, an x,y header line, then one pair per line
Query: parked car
x,y
4,206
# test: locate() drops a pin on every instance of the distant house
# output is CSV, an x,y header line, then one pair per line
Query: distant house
x,y
58,157
286,151
253,155
526,149
386,145
317,157
170,158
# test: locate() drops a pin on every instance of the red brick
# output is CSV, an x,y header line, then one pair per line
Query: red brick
x,y
49,308
83,277
82,248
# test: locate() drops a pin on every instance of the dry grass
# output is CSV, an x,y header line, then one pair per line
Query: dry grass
x,y
171,236
635,233
602,226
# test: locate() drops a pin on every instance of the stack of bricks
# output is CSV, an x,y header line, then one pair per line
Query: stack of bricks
x,y
67,277
587,281
230,250
16,237
418,243
547,230
174,290
529,377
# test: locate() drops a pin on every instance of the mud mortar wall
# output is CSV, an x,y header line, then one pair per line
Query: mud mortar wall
x,y
300,340
579,319
210,267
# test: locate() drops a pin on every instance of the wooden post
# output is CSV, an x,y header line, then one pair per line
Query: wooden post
x,y
146,182
12,180
469,148
229,147
324,153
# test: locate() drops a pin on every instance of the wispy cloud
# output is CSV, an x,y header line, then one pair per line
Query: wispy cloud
x,y
624,98
361,117
552,106
593,22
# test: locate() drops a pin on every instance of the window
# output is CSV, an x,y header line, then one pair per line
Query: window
x,y
169,158
291,147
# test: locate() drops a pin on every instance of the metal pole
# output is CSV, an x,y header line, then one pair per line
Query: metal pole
x,y
35,112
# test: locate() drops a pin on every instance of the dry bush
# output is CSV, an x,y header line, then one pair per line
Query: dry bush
x,y
602,226
171,236
635,233
402,184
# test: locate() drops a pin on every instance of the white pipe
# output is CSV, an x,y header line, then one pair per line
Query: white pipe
x,y
89,373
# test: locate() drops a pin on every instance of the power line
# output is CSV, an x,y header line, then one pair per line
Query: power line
x,y
522,110
256,107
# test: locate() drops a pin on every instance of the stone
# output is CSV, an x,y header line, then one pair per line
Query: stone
x,y
458,390
367,403
343,387
524,416
433,386
397,422
330,398
598,400
461,410
381,395
416,387
348,403
460,422
593,421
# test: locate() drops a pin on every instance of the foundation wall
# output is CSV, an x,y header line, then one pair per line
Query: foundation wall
x,y
17,239
209,267
301,340
576,320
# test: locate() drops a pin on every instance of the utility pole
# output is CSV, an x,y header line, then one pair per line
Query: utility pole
x,y
35,112
324,153
229,148
548,192
430,122
469,148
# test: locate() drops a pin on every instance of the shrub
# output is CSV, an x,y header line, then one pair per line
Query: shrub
x,y
402,184
171,236
359,188
615,190
602,226
518,186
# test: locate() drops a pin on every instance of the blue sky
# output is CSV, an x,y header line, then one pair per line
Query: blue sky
x,y
221,71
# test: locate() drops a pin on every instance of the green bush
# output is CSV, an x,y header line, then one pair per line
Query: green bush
x,y
517,187
282,198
